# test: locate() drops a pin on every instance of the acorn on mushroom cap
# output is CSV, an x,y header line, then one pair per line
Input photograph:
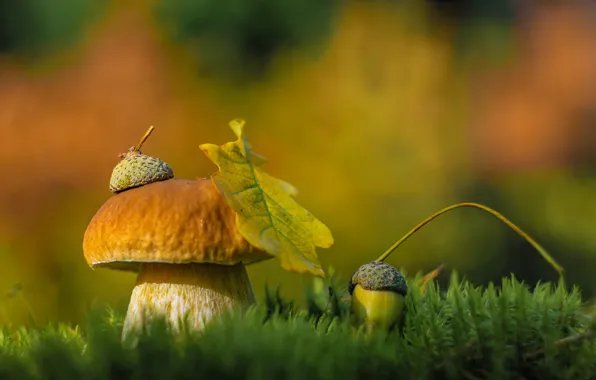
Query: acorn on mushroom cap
x,y
378,295
136,169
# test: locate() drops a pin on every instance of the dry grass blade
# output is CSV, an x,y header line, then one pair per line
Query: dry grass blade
x,y
424,281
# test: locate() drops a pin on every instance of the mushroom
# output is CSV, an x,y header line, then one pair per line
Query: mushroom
x,y
180,236
378,295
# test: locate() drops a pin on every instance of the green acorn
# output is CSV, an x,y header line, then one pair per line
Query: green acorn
x,y
137,169
378,295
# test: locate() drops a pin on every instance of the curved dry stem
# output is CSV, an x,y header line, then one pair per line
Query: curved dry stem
x,y
144,138
494,213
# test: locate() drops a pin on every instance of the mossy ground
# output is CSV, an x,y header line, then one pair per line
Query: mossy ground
x,y
462,332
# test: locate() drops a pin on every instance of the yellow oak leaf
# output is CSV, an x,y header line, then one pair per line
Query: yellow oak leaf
x,y
266,213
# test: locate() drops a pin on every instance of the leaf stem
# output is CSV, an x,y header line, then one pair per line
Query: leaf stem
x,y
144,138
494,213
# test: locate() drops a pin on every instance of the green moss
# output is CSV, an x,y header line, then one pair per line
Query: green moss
x,y
459,332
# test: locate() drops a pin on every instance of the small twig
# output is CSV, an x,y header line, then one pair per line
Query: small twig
x,y
144,138
137,148
575,338
564,342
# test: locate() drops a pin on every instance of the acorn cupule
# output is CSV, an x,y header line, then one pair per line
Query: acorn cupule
x,y
136,169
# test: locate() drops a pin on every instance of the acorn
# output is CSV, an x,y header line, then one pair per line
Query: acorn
x,y
378,295
136,169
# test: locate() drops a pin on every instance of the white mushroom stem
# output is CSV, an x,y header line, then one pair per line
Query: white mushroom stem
x,y
195,292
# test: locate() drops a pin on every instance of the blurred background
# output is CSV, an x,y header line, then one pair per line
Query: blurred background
x,y
380,112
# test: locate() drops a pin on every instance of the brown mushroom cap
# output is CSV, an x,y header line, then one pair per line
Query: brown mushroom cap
x,y
174,221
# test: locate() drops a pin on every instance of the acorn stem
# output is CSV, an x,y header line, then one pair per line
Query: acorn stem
x,y
144,138
494,213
